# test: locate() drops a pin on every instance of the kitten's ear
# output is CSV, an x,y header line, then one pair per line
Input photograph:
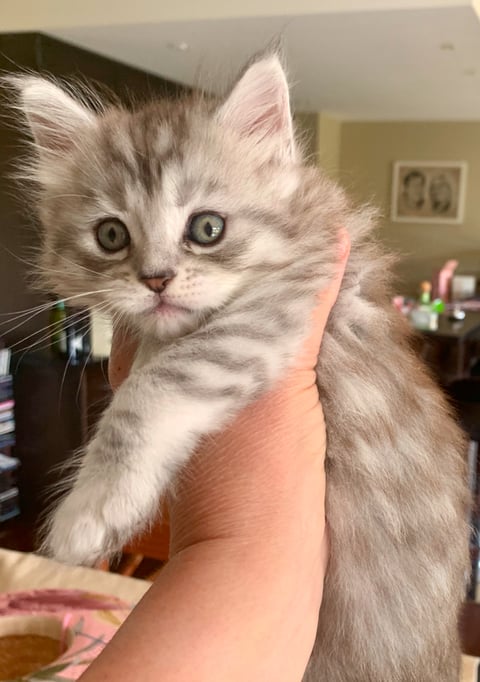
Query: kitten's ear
x,y
259,105
55,118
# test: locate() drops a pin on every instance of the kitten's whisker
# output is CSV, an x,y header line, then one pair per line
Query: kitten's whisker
x,y
45,272
78,265
82,374
118,316
63,379
14,255
85,329
38,310
19,361
25,311
49,327
74,318
40,270
35,310
44,306
20,324
46,337
63,196
87,293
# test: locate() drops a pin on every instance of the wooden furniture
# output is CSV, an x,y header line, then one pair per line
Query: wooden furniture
x,y
57,409
465,395
470,628
152,545
57,406
452,348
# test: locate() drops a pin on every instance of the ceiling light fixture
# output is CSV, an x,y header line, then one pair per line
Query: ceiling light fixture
x,y
180,47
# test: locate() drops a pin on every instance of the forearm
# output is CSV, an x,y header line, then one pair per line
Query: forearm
x,y
233,600
213,615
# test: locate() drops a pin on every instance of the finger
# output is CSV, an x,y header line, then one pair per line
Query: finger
x,y
327,298
326,301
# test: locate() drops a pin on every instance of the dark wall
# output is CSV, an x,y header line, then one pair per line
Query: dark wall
x,y
62,59
19,233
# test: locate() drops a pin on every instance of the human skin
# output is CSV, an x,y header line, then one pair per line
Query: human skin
x,y
240,596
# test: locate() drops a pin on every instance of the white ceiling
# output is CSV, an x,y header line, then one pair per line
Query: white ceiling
x,y
32,15
372,64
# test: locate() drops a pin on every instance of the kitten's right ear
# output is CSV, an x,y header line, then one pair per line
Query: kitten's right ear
x,y
54,117
259,105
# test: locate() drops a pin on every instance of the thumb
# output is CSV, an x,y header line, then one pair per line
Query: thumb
x,y
326,299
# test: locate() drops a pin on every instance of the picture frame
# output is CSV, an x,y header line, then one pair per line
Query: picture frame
x,y
428,192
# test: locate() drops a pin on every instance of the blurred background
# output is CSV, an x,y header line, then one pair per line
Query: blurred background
x,y
387,96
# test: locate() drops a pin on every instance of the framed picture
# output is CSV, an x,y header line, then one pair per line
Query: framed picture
x,y
428,191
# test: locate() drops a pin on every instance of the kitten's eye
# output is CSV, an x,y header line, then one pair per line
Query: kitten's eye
x,y
112,235
205,228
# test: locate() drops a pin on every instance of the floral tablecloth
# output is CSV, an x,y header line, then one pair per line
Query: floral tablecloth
x,y
40,595
83,622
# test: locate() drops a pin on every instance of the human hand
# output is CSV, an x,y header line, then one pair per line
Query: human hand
x,y
240,596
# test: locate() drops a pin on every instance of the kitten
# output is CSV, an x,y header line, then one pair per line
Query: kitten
x,y
198,223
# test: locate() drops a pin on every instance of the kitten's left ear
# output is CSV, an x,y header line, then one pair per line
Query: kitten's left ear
x,y
259,105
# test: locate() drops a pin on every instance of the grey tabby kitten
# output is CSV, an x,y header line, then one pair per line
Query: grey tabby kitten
x,y
199,224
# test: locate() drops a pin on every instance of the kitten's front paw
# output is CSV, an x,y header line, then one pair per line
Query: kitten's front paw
x,y
77,534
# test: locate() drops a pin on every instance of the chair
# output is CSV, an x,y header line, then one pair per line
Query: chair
x,y
465,394
469,628
144,555
153,544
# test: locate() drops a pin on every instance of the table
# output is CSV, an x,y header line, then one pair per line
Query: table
x,y
459,338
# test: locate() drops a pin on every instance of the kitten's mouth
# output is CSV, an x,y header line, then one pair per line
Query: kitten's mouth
x,y
167,309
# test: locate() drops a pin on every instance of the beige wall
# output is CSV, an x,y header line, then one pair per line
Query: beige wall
x,y
367,153
329,139
320,136
306,128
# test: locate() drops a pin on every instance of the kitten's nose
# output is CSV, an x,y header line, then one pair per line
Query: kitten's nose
x,y
158,282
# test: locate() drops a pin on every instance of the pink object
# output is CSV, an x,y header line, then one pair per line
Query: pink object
x,y
443,283
398,302
7,405
53,601
86,622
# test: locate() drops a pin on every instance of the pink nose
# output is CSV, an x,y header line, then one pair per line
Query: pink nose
x,y
158,283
